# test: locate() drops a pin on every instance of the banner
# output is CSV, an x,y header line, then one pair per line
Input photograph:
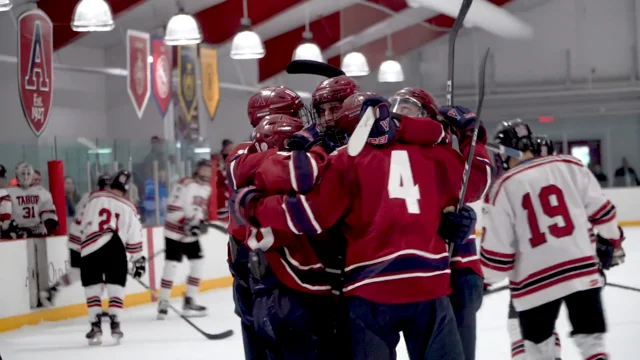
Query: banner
x,y
187,91
35,67
210,79
161,73
138,70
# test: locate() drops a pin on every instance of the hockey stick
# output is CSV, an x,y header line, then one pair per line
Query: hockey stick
x,y
218,336
311,67
218,227
500,149
453,34
623,287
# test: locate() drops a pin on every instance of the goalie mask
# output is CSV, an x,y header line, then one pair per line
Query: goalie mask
x,y
24,174
274,132
514,134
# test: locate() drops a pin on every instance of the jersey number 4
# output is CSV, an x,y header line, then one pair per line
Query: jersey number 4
x,y
401,184
553,205
105,219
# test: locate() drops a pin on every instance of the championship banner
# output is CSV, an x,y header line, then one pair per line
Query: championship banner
x,y
35,67
210,79
138,70
161,73
187,93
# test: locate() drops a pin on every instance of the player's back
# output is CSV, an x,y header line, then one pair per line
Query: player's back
x,y
546,199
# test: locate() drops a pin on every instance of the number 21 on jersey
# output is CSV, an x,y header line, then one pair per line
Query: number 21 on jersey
x,y
401,184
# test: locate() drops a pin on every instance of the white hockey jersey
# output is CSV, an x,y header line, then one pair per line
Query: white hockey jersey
x,y
537,230
5,208
75,235
31,207
106,214
187,205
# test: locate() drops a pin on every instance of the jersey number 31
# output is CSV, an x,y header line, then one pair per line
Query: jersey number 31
x,y
552,210
401,184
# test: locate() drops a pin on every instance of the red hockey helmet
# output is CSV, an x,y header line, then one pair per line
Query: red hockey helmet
x,y
414,102
349,114
273,100
274,131
336,89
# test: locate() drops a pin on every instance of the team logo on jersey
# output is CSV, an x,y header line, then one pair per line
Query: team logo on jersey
x,y
210,82
453,113
35,67
187,92
161,74
138,68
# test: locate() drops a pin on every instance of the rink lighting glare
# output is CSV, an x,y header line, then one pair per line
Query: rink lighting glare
x,y
355,64
202,150
390,71
100,151
247,45
91,16
182,29
5,5
308,50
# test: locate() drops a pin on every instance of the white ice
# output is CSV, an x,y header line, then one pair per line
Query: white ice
x,y
172,339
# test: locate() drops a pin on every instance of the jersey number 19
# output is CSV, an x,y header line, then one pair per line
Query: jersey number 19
x,y
550,209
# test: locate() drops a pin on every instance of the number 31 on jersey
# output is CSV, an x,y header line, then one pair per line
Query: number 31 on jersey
x,y
401,184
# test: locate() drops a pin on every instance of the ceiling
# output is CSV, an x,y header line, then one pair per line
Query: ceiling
x,y
338,26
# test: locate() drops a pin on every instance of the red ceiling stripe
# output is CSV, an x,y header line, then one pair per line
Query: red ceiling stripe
x,y
60,12
221,22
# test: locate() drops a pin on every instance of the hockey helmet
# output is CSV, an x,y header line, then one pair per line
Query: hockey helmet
x,y
328,97
543,146
414,102
349,114
24,174
103,181
274,132
513,134
204,171
274,100
3,171
120,181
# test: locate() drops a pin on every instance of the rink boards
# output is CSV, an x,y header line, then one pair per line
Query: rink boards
x,y
25,262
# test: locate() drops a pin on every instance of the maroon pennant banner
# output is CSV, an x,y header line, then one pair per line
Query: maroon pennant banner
x,y
161,73
138,69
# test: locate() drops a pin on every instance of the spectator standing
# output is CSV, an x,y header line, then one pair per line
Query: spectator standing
x,y
602,178
71,195
626,175
158,153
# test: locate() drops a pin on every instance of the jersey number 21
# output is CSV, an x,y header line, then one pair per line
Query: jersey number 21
x,y
401,184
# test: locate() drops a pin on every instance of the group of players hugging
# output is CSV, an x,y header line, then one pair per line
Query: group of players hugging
x,y
334,256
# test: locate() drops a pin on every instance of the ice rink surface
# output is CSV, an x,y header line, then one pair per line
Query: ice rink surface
x,y
173,339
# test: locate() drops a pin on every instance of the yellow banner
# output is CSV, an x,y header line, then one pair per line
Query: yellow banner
x,y
210,79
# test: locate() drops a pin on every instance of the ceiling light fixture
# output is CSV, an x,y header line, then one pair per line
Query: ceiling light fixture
x,y
5,5
182,29
246,44
308,50
91,16
390,70
355,64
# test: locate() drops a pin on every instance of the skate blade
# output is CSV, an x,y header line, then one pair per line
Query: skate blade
x,y
95,341
161,316
117,338
193,314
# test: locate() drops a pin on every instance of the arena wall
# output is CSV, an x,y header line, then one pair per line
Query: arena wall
x,y
17,269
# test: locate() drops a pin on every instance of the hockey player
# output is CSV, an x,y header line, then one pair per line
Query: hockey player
x,y
33,212
75,241
536,233
396,263
5,205
110,229
184,224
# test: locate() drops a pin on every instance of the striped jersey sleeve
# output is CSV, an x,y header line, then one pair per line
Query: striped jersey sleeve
x,y
498,245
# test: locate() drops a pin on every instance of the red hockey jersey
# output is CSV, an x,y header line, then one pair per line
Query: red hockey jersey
x,y
235,230
389,201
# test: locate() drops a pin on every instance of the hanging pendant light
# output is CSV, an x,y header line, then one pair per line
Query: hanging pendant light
x,y
246,44
390,70
5,5
355,64
91,16
182,29
308,50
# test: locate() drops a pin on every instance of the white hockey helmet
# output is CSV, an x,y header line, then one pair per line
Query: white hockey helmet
x,y
24,174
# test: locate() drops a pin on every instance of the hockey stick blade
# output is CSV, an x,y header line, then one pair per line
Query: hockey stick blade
x,y
360,135
217,336
312,67
453,34
472,148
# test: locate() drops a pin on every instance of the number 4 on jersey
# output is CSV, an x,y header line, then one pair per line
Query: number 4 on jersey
x,y
401,185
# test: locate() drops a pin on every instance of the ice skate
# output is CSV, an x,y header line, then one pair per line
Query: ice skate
x,y
116,333
191,309
47,296
163,307
94,336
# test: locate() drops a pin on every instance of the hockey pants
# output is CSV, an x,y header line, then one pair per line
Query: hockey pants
x,y
296,325
429,330
254,346
466,299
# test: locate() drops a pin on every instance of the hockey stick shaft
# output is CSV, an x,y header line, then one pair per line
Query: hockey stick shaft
x,y
500,149
453,34
219,336
312,67
630,288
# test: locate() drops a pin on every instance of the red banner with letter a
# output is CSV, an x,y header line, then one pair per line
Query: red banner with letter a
x,y
35,67
138,69
161,73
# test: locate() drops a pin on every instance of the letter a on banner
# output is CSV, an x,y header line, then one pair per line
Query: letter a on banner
x,y
161,73
35,67
187,92
210,83
138,69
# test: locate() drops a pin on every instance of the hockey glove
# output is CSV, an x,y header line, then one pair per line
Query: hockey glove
x,y
462,120
305,138
384,127
139,266
240,205
13,231
457,226
198,229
